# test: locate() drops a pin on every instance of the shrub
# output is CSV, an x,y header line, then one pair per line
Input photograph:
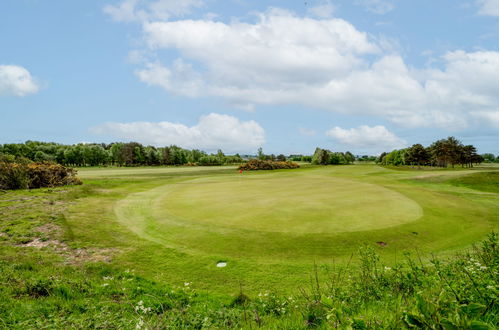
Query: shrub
x,y
257,164
26,175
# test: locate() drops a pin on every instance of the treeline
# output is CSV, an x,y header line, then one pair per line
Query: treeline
x,y
441,153
327,157
118,154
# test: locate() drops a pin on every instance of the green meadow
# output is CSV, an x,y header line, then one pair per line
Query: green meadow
x,y
272,231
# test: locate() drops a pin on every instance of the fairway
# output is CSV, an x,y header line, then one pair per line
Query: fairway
x,y
270,227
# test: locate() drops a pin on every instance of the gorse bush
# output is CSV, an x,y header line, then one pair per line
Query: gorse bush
x,y
23,174
257,164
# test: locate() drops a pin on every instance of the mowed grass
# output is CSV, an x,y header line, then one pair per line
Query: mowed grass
x,y
286,204
174,224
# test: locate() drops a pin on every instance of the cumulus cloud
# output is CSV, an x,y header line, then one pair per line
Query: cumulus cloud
x,y
488,7
144,10
376,138
284,59
212,132
17,81
376,6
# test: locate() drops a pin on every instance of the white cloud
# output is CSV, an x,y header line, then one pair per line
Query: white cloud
x,y
145,10
491,117
488,7
323,10
376,6
376,138
213,131
17,81
321,63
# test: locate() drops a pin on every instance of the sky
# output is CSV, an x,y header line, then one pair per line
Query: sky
x,y
288,76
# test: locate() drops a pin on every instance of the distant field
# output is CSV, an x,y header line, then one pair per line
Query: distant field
x,y
175,224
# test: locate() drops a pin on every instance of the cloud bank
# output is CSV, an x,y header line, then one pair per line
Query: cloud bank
x,y
376,138
284,59
16,81
212,132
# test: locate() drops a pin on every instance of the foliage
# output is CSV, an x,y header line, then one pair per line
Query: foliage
x,y
27,175
441,153
257,164
300,158
118,154
327,157
490,158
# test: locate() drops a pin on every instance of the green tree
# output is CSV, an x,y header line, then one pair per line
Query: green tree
x,y
417,155
260,154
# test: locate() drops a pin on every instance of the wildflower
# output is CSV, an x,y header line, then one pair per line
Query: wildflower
x,y
105,284
187,283
140,324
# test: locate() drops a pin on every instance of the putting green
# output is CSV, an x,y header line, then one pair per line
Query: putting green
x,y
288,204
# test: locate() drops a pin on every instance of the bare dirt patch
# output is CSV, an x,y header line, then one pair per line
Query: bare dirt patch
x,y
49,229
74,256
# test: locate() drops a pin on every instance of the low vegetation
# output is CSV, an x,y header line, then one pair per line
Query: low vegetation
x,y
22,174
42,289
257,164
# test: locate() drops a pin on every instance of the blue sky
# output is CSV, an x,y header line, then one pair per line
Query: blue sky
x,y
361,75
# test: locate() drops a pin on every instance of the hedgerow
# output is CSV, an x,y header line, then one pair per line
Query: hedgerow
x,y
257,164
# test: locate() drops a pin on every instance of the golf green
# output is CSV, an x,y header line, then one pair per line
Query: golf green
x,y
288,205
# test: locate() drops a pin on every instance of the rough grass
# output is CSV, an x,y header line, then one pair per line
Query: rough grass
x,y
485,181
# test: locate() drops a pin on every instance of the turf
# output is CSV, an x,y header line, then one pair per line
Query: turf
x,y
174,224
317,246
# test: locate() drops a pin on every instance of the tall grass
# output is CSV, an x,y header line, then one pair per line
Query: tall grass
x,y
454,293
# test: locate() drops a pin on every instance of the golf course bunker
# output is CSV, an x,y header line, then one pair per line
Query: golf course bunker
x,y
289,204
